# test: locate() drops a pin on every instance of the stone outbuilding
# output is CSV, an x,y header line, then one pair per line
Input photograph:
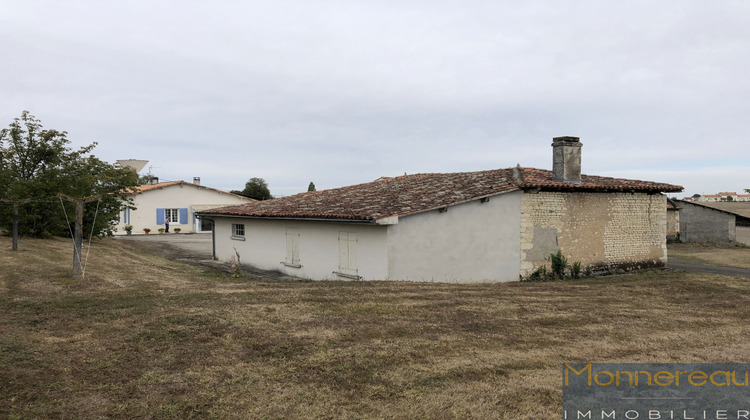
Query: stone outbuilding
x,y
495,225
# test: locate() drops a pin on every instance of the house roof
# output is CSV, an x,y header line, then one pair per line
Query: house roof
x,y
738,208
411,194
161,185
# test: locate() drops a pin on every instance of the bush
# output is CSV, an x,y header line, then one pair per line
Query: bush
x,y
575,270
560,270
559,265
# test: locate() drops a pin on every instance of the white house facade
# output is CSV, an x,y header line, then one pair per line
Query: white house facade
x,y
176,201
438,245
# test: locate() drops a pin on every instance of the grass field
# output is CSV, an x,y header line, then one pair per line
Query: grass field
x,y
721,255
144,337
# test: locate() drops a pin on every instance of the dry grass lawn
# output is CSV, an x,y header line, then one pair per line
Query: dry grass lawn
x,y
722,255
144,337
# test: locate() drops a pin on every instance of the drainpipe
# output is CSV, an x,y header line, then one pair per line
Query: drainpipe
x,y
213,239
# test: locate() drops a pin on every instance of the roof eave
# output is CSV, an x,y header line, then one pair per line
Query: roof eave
x,y
309,219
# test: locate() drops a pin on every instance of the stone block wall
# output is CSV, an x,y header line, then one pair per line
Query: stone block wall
x,y
596,229
673,223
704,224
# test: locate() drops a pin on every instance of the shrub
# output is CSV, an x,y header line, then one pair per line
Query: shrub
x,y
559,265
575,270
560,270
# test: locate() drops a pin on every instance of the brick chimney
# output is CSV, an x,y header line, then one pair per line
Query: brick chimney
x,y
566,159
197,180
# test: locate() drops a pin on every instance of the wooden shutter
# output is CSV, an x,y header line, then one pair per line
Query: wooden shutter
x,y
292,246
348,252
183,217
159,216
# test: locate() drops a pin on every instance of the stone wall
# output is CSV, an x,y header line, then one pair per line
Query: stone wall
x,y
704,224
595,229
673,223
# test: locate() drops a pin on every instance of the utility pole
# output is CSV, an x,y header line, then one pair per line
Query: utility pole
x,y
16,204
78,235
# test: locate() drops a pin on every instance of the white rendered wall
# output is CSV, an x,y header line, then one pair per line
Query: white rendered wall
x,y
471,242
264,247
172,197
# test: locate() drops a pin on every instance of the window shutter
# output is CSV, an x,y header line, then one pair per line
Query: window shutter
x,y
159,216
352,253
183,217
348,252
343,251
292,246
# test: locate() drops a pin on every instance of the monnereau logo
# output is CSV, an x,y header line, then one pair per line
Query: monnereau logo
x,y
674,391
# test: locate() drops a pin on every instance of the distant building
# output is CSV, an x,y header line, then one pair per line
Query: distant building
x,y
722,196
177,201
701,223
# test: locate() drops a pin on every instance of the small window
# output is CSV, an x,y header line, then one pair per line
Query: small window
x,y
238,230
172,215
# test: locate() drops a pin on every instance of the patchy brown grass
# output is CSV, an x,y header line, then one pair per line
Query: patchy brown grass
x,y
143,337
721,255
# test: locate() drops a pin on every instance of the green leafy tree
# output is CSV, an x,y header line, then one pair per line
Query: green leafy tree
x,y
257,188
38,164
311,187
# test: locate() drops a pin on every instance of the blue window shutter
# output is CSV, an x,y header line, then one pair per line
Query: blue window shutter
x,y
183,217
159,216
128,210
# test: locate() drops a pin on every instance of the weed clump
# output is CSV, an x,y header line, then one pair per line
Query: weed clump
x,y
560,270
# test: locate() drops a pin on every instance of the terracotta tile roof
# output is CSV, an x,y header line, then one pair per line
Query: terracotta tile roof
x,y
409,194
540,178
162,185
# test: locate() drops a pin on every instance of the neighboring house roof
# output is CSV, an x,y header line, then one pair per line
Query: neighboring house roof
x,y
161,185
410,194
738,208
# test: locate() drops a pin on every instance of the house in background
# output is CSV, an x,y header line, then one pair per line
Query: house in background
x,y
720,197
701,223
715,223
176,200
496,225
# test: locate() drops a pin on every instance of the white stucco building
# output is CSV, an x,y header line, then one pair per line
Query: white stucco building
x,y
496,225
176,200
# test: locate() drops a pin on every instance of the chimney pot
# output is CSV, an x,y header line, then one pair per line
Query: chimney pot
x,y
197,180
566,159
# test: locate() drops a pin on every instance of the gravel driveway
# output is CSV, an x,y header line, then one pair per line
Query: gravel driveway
x,y
182,246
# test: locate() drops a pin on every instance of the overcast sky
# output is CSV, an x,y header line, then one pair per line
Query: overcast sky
x,y
345,91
